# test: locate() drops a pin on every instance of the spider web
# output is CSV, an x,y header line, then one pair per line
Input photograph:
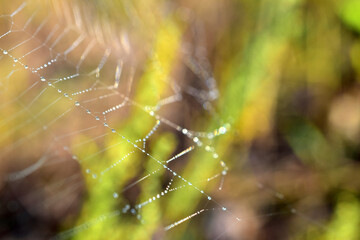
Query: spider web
x,y
101,113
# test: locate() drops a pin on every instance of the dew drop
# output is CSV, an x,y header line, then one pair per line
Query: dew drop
x,y
77,103
222,130
15,60
97,118
42,79
26,67
115,195
97,75
279,195
5,52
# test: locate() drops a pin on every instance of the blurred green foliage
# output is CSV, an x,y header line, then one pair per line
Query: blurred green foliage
x,y
288,76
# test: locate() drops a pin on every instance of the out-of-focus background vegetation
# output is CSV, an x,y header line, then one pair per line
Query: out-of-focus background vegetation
x,y
287,75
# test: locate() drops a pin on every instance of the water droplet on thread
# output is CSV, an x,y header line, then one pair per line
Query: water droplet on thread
x,y
97,75
222,130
